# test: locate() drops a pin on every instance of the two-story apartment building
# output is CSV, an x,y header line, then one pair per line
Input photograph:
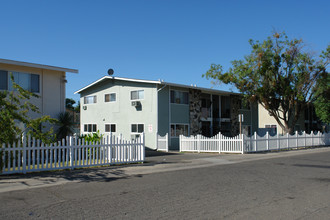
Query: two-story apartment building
x,y
132,106
48,82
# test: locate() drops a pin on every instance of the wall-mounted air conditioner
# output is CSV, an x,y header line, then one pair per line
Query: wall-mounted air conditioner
x,y
136,103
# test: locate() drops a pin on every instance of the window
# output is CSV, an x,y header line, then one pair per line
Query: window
x,y
179,97
110,97
139,94
27,81
272,129
35,83
136,130
110,128
178,129
90,128
90,99
225,107
3,80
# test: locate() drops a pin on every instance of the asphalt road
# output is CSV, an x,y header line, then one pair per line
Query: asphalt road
x,y
271,187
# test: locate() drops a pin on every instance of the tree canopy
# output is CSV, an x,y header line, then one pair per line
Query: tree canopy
x,y
69,103
322,97
279,74
14,111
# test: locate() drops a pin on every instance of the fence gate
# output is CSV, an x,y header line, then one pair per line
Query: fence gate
x,y
162,142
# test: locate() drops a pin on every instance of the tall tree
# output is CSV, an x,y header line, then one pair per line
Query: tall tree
x,y
279,74
77,107
322,97
69,103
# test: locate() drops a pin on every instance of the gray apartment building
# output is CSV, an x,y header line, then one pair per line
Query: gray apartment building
x,y
132,106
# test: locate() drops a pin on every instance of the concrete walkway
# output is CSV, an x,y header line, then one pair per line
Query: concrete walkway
x,y
155,162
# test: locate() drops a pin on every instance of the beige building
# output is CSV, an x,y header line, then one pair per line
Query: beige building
x,y
308,122
48,82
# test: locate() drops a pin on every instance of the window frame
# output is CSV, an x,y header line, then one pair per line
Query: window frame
x,y
175,129
139,90
110,97
95,99
110,124
9,85
90,126
181,101
269,128
136,134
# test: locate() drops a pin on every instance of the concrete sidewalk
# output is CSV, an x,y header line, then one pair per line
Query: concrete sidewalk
x,y
155,162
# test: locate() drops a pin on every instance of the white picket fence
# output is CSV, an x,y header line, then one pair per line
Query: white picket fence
x,y
33,155
218,143
256,143
243,144
162,142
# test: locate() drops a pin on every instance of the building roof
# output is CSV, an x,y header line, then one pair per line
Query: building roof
x,y
35,65
159,82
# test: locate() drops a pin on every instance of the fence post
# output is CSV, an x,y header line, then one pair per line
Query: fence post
x,y
143,148
304,138
70,146
219,142
180,143
24,152
319,137
278,142
312,137
199,143
255,141
242,139
287,140
157,140
296,139
166,142
267,140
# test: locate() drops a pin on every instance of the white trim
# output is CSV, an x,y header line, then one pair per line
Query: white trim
x,y
117,78
35,65
215,91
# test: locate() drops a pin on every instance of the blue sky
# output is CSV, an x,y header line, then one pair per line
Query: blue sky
x,y
171,40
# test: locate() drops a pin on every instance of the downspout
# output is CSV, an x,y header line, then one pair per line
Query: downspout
x,y
169,116
157,112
